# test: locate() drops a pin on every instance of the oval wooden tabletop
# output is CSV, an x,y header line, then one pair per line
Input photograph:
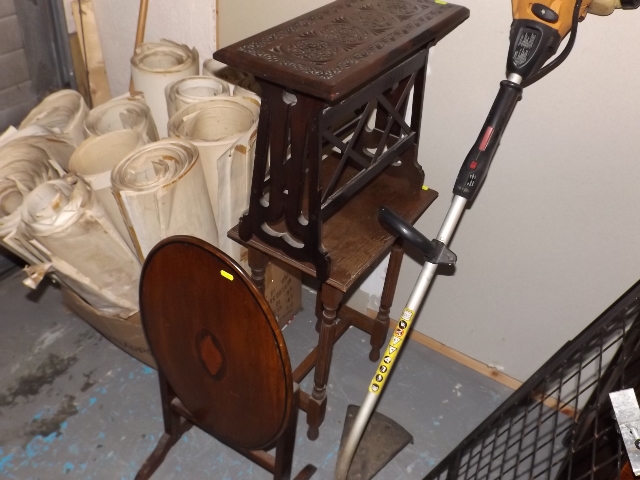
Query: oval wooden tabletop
x,y
217,342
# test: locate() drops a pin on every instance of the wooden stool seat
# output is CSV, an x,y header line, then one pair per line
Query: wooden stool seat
x,y
354,237
222,361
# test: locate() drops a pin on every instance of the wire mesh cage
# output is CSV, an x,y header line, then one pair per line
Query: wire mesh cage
x,y
559,424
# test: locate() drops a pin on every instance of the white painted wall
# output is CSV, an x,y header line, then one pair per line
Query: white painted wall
x,y
240,19
553,237
191,22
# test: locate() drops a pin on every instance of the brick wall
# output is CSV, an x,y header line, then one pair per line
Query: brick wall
x,y
16,95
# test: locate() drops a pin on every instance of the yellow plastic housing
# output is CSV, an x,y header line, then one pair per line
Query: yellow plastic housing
x,y
564,9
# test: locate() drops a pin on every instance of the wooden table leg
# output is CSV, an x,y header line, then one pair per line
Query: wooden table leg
x,y
258,264
381,323
287,442
331,298
318,312
174,427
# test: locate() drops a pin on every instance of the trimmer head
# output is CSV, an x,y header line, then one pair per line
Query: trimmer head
x,y
382,440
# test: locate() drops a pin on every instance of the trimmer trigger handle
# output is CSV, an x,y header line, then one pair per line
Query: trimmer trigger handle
x,y
435,251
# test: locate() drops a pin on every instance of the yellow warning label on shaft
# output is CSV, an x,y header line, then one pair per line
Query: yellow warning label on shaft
x,y
391,352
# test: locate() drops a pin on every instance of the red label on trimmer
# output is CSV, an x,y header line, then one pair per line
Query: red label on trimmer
x,y
485,139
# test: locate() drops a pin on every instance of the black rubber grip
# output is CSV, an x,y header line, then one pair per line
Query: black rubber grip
x,y
629,4
396,224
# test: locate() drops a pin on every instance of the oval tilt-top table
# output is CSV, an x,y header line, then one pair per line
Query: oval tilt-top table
x,y
342,94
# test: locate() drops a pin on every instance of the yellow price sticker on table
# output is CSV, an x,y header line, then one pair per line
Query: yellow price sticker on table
x,y
226,275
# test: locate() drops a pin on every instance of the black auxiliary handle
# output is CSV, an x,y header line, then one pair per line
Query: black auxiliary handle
x,y
435,251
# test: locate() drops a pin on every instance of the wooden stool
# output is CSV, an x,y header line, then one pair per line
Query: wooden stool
x,y
222,362
323,166
357,243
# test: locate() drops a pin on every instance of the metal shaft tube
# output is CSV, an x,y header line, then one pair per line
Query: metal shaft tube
x,y
418,293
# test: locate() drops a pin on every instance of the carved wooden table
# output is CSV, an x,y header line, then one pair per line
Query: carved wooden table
x,y
333,146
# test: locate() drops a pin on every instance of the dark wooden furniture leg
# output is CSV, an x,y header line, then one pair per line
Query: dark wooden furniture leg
x,y
381,323
318,312
174,427
286,444
284,448
331,298
258,265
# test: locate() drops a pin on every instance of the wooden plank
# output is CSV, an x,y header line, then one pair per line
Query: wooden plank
x,y
79,67
477,366
89,40
142,25
459,357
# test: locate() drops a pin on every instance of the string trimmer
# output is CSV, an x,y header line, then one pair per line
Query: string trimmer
x,y
536,33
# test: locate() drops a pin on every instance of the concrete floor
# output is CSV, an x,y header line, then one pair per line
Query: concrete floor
x,y
74,406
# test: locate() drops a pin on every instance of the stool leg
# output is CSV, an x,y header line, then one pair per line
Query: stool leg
x,y
287,442
319,310
381,323
258,265
173,430
331,298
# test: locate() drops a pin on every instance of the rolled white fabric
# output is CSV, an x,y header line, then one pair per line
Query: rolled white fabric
x,y
241,84
22,168
190,90
121,114
219,70
71,229
161,191
12,133
156,65
62,112
57,147
249,88
94,160
224,130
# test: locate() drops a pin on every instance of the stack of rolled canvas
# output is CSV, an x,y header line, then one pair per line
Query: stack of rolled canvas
x,y
161,191
69,228
224,131
85,195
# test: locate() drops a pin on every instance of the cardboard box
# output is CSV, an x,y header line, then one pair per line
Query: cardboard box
x,y
126,334
283,290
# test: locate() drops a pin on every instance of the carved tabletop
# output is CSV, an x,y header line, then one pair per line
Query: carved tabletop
x,y
329,52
